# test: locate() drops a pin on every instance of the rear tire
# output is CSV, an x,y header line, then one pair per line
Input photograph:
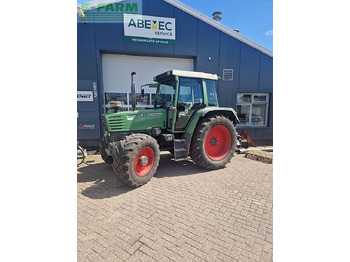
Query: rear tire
x,y
137,161
214,142
108,159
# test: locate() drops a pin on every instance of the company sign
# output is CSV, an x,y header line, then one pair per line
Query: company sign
x,y
86,126
85,96
149,29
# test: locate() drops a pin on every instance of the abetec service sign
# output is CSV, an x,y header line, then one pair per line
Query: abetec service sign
x,y
149,29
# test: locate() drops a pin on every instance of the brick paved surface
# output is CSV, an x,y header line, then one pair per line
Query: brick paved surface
x,y
185,213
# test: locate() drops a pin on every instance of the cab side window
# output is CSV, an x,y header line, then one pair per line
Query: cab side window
x,y
211,93
189,100
190,91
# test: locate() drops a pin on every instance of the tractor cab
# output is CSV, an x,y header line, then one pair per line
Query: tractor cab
x,y
183,93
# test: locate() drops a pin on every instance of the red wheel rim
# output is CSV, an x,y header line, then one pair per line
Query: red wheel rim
x,y
144,161
218,142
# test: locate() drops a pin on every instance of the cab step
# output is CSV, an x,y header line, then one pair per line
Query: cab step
x,y
180,150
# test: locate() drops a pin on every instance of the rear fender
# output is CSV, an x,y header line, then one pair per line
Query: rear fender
x,y
225,111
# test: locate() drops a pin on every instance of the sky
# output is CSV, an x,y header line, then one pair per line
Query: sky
x,y
253,18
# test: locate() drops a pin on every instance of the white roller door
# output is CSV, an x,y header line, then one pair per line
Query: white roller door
x,y
117,80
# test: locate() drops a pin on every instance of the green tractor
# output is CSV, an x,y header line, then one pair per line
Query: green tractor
x,y
186,120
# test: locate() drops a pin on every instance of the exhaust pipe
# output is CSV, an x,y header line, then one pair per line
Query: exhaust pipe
x,y
133,92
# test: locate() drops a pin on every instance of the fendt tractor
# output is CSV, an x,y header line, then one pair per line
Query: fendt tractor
x,y
186,120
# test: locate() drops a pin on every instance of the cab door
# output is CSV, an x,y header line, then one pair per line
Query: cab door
x,y
165,99
190,99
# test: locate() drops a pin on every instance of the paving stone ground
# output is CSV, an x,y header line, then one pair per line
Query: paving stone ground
x,y
185,213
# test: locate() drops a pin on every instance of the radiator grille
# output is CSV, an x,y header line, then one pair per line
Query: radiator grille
x,y
116,123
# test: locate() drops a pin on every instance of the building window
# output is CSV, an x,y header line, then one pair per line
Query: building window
x,y
252,109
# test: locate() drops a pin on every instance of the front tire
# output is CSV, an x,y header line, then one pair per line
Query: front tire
x,y
214,142
137,160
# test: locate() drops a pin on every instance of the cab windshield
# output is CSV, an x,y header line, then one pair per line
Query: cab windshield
x,y
165,94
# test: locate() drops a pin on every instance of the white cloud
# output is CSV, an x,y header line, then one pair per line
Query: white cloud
x,y
268,33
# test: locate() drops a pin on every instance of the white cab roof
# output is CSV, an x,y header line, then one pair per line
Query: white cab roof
x,y
194,74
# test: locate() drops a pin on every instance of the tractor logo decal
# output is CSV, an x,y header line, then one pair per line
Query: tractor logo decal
x,y
131,117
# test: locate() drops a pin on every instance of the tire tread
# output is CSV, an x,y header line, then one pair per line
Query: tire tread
x,y
121,162
197,150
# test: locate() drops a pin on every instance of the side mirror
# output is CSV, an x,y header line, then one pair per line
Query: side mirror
x,y
153,85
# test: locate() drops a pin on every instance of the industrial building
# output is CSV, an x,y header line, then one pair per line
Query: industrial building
x,y
150,37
